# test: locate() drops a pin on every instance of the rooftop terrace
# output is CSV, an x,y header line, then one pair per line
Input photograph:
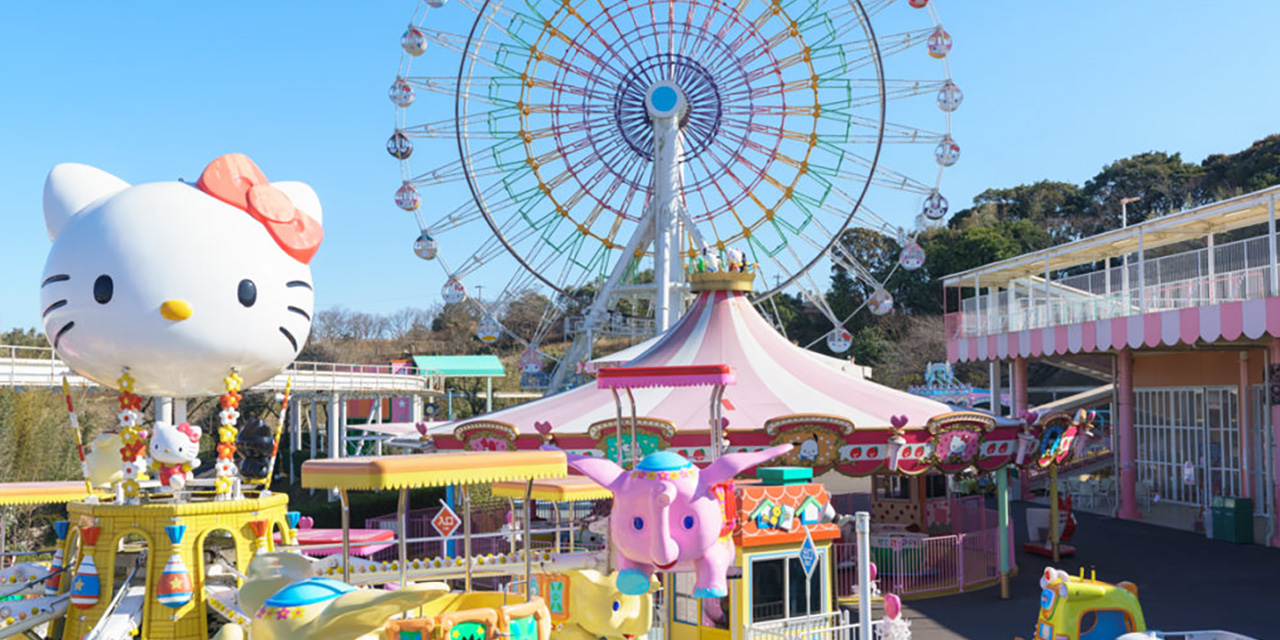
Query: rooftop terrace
x,y
1172,262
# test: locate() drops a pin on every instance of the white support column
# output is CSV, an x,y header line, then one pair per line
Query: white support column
x,y
862,532
993,311
315,429
1271,247
1142,275
666,105
334,425
1013,305
1213,285
488,395
163,408
977,307
994,374
179,410
1048,297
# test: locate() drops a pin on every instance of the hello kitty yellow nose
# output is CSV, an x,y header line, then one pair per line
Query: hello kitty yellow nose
x,y
175,310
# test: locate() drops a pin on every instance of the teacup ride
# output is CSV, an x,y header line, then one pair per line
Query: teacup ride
x,y
467,613
35,584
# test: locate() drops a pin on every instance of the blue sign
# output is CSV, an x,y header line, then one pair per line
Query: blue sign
x,y
808,554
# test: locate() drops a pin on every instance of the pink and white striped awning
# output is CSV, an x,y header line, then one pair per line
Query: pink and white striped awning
x,y
1228,322
774,378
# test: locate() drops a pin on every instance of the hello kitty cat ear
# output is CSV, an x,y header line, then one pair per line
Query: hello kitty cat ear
x,y
303,197
70,188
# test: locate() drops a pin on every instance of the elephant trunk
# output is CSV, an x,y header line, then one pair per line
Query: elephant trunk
x,y
664,549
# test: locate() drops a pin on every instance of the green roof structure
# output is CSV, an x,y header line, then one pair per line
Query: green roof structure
x,y
462,366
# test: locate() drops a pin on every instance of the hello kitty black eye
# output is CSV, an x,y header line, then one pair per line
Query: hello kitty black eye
x,y
247,292
103,287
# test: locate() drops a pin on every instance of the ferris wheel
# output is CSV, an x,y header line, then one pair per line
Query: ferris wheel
x,y
587,150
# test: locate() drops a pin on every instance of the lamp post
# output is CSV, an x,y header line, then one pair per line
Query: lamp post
x,y
1124,223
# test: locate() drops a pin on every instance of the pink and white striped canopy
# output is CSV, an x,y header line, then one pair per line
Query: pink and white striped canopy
x,y
774,378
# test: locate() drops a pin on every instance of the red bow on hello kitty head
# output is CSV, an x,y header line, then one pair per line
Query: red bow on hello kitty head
x,y
185,429
237,181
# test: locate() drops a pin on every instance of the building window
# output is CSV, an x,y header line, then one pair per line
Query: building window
x,y
893,487
686,609
778,588
935,486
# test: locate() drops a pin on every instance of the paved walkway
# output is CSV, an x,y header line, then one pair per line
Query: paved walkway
x,y
1185,582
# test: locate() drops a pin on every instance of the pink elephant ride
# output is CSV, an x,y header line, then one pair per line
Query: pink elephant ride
x,y
670,516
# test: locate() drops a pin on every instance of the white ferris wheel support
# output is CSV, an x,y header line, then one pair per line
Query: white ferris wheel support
x,y
662,225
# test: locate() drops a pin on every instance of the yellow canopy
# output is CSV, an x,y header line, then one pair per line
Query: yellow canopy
x,y
567,489
432,469
41,492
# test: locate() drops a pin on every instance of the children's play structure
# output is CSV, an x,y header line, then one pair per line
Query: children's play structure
x,y
1080,608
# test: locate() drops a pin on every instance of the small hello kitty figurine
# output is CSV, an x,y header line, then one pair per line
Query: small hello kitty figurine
x,y
173,453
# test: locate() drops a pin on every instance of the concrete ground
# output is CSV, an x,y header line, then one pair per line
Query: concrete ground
x,y
1185,582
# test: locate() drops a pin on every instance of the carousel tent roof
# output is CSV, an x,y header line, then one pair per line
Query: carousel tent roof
x,y
774,378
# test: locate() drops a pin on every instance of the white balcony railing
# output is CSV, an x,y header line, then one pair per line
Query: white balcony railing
x,y
39,367
1240,270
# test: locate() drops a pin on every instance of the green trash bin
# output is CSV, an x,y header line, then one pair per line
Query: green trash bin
x,y
1232,519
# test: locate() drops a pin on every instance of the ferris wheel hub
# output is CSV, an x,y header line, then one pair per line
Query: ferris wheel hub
x,y
665,100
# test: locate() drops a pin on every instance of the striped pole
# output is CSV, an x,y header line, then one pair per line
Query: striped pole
x,y
75,428
275,448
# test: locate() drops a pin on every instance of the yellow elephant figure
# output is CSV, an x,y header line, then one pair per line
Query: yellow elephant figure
x,y
598,610
102,459
285,603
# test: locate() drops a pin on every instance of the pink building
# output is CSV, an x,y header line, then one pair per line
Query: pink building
x,y
1185,309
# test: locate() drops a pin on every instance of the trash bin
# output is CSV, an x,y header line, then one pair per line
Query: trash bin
x,y
1232,519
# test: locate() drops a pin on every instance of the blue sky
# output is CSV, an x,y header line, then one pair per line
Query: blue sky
x,y
155,90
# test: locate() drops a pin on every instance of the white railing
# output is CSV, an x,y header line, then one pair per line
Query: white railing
x,y
615,324
39,367
1240,270
825,626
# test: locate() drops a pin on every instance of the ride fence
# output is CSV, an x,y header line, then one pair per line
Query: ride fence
x,y
826,626
924,566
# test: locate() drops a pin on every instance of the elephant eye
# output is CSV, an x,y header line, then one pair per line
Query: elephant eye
x,y
638,523
616,605
688,522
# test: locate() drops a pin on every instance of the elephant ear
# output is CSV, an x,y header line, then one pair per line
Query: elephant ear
x,y
356,613
602,470
269,573
231,631
729,466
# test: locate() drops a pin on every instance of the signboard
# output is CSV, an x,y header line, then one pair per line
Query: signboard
x,y
446,522
808,555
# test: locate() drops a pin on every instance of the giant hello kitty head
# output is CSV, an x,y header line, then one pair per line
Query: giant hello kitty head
x,y
179,283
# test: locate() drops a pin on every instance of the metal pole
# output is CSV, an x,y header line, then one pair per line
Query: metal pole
x,y
862,526
617,442
1053,511
466,535
488,394
402,522
1002,538
635,445
346,536
528,542
1242,414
